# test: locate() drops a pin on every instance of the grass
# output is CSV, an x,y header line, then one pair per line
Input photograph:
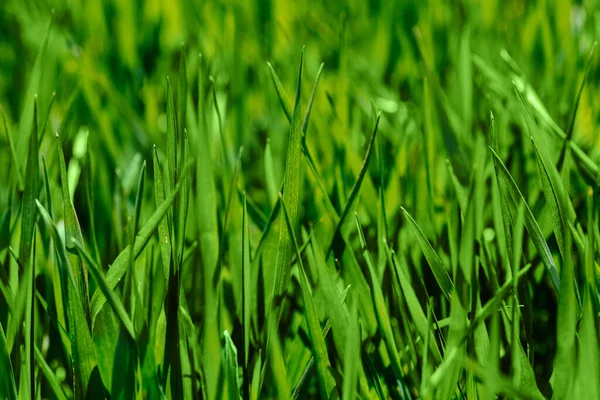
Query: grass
x,y
270,200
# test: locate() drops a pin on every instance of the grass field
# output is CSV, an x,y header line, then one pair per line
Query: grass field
x,y
270,199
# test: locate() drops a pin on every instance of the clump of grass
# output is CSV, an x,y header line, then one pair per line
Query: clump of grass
x,y
425,227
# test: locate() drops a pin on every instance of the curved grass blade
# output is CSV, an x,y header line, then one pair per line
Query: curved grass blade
x,y
557,198
319,348
284,100
530,223
110,295
337,241
119,266
435,262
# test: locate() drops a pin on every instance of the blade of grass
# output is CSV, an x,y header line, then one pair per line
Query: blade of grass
x,y
530,223
291,190
435,262
119,266
319,348
83,351
111,297
8,389
73,234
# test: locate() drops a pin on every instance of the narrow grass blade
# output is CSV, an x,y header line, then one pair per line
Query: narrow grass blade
x,y
291,191
13,152
8,389
575,107
110,295
435,262
337,241
32,189
284,100
530,223
83,351
231,367
319,348
352,358
164,236
49,375
246,296
72,233
119,266
381,312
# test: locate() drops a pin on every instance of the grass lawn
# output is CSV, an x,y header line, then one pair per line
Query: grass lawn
x,y
264,199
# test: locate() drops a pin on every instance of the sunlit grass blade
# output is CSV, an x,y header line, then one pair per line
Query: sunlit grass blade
x,y
164,236
435,262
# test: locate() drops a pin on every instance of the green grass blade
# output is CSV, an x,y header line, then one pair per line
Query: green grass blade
x,y
111,297
83,351
291,191
16,164
352,358
352,198
119,266
31,192
284,100
49,375
319,348
381,312
246,296
8,389
530,223
438,268
231,367
72,233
